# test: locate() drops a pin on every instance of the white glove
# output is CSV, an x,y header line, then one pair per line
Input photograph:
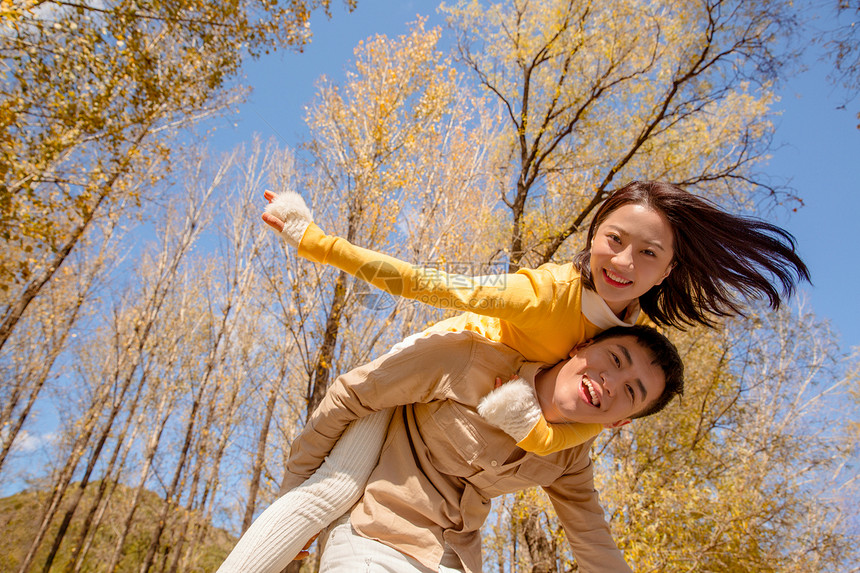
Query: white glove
x,y
290,208
512,407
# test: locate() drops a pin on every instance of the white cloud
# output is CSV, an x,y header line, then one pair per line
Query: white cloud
x,y
25,442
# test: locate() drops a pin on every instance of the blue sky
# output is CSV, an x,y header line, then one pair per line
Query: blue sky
x,y
818,145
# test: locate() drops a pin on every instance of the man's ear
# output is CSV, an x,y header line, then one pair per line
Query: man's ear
x,y
617,424
579,347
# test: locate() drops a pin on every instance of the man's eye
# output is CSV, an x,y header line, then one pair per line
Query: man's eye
x,y
615,359
630,391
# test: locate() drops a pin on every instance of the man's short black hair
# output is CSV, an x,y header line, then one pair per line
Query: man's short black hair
x,y
665,355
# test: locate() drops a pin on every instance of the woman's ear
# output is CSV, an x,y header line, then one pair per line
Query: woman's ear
x,y
667,273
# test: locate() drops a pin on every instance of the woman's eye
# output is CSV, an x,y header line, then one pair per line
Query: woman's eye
x,y
616,360
630,391
650,253
615,238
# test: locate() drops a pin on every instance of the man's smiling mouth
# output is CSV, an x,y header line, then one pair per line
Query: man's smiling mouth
x,y
590,392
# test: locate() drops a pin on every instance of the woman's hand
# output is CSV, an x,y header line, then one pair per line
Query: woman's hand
x,y
304,552
288,215
270,219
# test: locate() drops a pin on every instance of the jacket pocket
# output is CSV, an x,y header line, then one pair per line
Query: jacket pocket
x,y
539,471
448,422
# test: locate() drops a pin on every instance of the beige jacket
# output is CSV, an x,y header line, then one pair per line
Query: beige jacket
x,y
441,463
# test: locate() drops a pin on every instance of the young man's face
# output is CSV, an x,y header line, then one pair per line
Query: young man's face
x,y
605,382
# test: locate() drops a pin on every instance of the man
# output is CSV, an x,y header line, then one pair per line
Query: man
x,y
442,462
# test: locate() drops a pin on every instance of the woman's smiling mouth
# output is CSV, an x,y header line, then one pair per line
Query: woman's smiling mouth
x,y
615,279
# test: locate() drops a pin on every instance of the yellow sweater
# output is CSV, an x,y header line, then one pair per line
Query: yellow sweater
x,y
542,313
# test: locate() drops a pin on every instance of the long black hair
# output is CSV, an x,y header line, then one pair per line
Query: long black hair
x,y
718,256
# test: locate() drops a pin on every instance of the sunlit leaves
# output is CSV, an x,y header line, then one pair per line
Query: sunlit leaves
x,y
90,95
599,93
399,154
371,129
732,477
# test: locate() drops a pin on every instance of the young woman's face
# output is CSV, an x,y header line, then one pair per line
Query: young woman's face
x,y
632,251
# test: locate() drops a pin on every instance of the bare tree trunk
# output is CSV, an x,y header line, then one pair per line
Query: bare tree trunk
x,y
151,449
173,490
171,493
322,372
57,345
205,506
540,549
80,546
35,390
259,458
118,404
65,475
517,211
181,533
202,455
85,543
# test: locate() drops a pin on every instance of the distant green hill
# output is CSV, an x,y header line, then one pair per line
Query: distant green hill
x,y
19,522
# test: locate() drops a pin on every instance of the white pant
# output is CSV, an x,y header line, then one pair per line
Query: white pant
x,y
345,551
